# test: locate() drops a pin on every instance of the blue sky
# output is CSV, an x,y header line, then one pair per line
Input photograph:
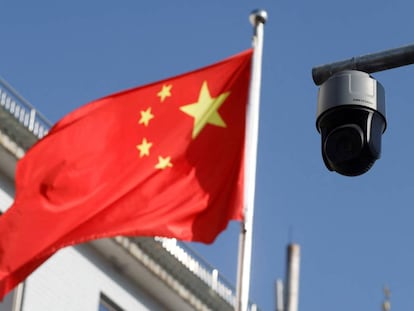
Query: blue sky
x,y
355,233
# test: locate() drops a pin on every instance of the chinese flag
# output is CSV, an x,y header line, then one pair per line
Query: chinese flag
x,y
165,159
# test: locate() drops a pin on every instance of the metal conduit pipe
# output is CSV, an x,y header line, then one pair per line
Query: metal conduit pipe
x,y
370,63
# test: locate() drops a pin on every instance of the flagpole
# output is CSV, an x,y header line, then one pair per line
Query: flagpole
x,y
258,19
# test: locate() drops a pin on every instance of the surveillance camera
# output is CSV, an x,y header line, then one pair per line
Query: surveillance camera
x,y
351,120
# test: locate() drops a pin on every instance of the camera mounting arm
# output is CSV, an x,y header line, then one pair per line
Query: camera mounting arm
x,y
370,63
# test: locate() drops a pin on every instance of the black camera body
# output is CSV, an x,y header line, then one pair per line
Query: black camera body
x,y
351,120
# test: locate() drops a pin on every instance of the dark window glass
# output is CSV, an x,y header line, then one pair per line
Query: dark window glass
x,y
107,304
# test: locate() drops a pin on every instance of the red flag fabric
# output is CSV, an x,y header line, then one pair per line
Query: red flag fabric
x,y
165,159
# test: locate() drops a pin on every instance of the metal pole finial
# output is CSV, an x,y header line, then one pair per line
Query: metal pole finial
x,y
386,305
258,16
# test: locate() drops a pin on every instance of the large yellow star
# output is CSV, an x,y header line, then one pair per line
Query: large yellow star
x,y
146,116
144,148
163,163
165,92
205,110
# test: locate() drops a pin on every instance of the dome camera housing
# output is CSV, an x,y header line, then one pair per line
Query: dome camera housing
x,y
351,121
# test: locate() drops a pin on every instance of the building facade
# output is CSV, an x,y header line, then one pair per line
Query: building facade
x,y
103,275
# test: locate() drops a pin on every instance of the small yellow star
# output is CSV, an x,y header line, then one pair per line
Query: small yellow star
x,y
165,92
146,116
144,148
163,163
205,110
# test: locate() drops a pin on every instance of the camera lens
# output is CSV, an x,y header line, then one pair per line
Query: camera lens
x,y
344,143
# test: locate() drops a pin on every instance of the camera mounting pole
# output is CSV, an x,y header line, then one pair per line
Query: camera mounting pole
x,y
368,63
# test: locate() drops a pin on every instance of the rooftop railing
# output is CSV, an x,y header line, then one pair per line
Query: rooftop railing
x,y
200,267
22,111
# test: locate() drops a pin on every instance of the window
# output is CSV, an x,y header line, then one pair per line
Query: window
x,y
107,304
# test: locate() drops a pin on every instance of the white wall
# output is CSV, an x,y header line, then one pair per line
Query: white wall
x,y
6,304
6,192
72,280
